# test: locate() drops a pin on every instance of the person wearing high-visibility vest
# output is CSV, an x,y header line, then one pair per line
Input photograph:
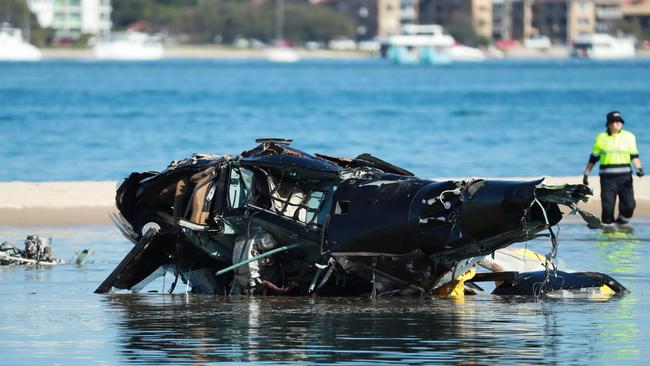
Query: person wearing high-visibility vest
x,y
614,149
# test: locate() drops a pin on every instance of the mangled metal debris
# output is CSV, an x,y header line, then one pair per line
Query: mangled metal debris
x,y
521,271
37,252
276,220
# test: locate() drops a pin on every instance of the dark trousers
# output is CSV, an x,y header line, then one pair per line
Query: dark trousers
x,y
612,186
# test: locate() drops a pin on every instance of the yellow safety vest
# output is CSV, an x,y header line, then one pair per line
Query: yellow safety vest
x,y
615,152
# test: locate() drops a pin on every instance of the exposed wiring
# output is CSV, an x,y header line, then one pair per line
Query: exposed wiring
x,y
446,205
543,287
543,211
550,269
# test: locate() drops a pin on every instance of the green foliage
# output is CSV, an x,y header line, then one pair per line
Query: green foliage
x,y
203,21
316,23
632,27
126,12
462,30
17,14
14,12
82,41
41,37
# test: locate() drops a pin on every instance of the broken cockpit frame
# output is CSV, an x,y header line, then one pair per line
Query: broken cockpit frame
x,y
276,220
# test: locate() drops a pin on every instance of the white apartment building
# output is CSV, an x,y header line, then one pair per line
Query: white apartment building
x,y
71,18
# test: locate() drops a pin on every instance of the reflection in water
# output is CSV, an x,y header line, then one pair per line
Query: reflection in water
x,y
620,254
177,328
50,316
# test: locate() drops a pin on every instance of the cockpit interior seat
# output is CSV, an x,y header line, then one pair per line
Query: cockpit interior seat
x,y
190,196
287,199
200,206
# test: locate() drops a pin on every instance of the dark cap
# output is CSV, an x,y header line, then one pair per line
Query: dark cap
x,y
614,116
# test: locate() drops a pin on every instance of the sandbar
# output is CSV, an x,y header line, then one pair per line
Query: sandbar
x,y
89,202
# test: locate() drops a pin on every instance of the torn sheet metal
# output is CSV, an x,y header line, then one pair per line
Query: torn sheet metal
x,y
277,220
524,272
562,284
37,251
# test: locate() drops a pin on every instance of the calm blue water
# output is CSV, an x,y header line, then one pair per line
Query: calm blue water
x,y
51,316
73,120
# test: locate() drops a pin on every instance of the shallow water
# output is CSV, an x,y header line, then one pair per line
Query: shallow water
x,y
72,120
52,316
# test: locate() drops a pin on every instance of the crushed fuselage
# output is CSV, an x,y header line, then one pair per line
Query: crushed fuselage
x,y
279,221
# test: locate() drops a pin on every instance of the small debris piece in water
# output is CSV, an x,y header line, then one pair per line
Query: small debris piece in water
x,y
37,251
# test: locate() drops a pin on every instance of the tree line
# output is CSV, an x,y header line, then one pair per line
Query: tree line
x,y
207,21
203,21
16,13
224,20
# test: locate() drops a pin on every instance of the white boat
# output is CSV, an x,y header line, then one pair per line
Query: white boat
x,y
130,46
538,43
421,35
282,51
427,44
464,53
282,54
418,44
14,48
600,46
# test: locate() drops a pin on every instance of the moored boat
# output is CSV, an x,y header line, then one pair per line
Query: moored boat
x,y
427,44
600,46
282,53
129,46
14,48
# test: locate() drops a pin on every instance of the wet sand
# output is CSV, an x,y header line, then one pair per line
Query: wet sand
x,y
88,203
56,203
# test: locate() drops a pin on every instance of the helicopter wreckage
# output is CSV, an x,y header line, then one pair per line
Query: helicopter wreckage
x,y
276,220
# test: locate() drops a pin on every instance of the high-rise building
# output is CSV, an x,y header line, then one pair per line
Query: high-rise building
x,y
71,18
564,20
501,19
375,17
389,21
560,20
408,11
481,11
581,18
638,11
522,19
608,12
551,18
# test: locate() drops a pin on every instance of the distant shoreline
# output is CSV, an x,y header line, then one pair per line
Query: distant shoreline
x,y
89,202
208,52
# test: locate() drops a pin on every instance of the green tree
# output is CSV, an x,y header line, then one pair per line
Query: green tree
x,y
17,14
632,27
41,37
462,30
316,23
202,21
126,12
